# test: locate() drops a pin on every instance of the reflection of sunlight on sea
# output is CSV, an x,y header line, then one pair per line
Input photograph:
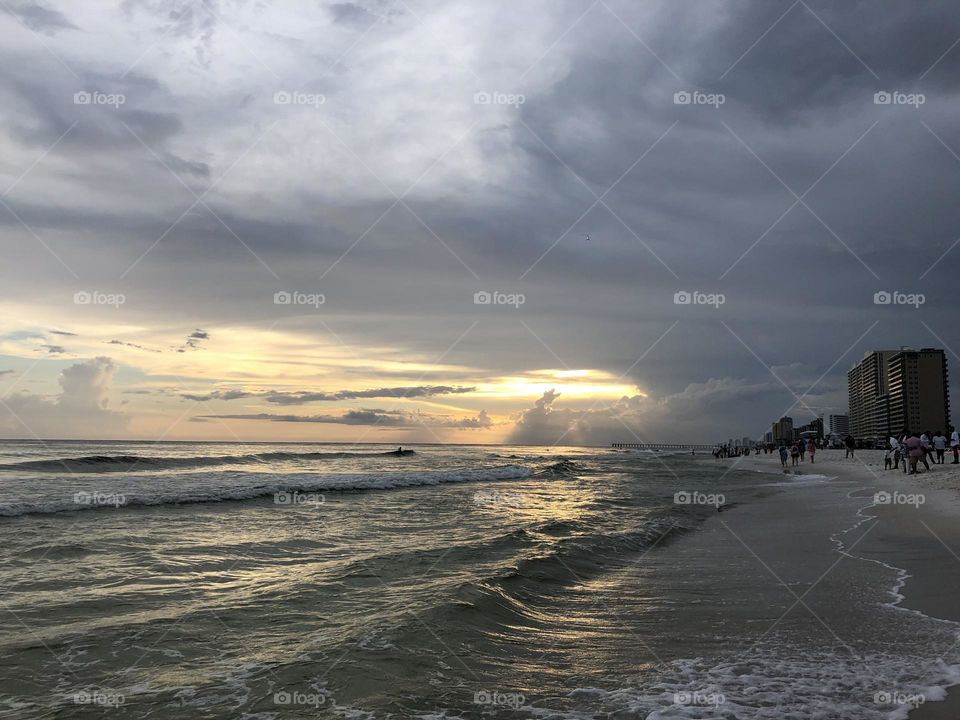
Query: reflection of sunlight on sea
x,y
580,573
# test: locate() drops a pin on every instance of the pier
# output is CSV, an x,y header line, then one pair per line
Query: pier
x,y
660,446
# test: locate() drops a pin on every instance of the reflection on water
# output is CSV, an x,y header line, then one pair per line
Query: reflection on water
x,y
572,587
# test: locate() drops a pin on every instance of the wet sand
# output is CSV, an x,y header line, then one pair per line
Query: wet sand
x,y
922,538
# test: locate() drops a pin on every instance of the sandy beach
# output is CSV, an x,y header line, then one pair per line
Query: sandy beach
x,y
922,538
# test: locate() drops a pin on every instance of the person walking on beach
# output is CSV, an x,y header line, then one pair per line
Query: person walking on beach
x,y
915,446
812,449
939,447
849,443
783,455
794,455
955,445
927,448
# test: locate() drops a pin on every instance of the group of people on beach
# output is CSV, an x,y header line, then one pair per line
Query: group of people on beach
x,y
913,448
729,451
796,452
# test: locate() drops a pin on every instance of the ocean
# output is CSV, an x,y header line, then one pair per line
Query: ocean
x,y
268,581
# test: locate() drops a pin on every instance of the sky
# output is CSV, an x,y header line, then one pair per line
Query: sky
x,y
544,222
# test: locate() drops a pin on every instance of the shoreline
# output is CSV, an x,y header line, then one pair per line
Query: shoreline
x,y
926,535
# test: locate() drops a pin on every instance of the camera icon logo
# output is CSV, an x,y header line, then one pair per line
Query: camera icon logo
x,y
682,298
82,98
682,98
482,98
882,297
482,297
882,98
82,298
281,98
282,297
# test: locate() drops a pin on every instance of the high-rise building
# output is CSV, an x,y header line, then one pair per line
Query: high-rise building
x,y
814,429
782,430
895,390
867,388
919,391
837,425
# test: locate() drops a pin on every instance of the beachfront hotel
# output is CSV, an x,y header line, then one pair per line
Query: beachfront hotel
x,y
895,390
837,425
782,431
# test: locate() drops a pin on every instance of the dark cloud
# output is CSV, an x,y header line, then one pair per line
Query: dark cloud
x,y
303,397
347,12
500,197
194,340
132,345
369,417
39,18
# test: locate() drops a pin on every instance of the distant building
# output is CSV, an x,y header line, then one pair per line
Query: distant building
x,y
813,429
782,430
892,391
837,425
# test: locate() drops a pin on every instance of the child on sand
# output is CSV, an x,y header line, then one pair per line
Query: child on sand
x,y
783,455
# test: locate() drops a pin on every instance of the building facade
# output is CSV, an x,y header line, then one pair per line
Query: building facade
x,y
892,391
919,391
782,431
837,425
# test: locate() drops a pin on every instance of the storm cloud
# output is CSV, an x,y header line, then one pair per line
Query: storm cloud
x,y
358,176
